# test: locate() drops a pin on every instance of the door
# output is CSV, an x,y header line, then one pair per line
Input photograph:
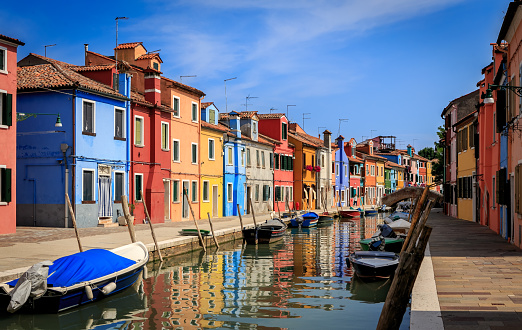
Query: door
x,y
215,198
105,196
166,199
185,206
249,198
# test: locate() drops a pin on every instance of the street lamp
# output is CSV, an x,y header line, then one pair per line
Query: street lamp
x,y
488,97
23,116
226,101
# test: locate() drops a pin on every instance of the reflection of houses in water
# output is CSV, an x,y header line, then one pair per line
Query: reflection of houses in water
x,y
283,276
325,259
370,226
211,286
185,298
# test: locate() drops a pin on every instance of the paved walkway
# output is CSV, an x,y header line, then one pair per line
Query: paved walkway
x,y
478,277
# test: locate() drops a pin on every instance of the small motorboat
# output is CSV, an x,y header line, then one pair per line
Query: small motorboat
x,y
374,264
390,244
400,226
348,214
370,212
325,216
270,231
306,220
78,279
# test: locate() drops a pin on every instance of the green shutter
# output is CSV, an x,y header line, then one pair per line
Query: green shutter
x,y
5,179
8,110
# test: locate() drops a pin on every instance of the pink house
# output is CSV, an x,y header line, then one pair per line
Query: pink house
x,y
8,52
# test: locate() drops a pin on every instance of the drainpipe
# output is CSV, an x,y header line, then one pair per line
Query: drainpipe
x,y
73,151
63,148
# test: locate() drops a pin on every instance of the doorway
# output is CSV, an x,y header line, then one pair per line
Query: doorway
x,y
185,204
248,199
215,200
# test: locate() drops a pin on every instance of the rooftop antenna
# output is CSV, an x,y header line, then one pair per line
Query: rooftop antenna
x,y
304,117
181,77
289,105
246,101
154,51
226,100
116,53
272,109
45,49
339,131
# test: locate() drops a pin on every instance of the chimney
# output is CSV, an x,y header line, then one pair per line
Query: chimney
x,y
152,86
327,139
233,120
85,52
409,150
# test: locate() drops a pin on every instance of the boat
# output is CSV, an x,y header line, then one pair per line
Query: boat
x,y
400,226
306,220
369,290
270,231
390,244
325,216
74,280
370,212
374,264
349,213
194,232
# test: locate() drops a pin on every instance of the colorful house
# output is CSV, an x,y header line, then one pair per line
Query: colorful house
x,y
8,115
323,176
211,161
87,157
275,126
365,151
356,165
342,173
234,160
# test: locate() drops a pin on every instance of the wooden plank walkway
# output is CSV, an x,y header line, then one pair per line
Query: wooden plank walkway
x,y
478,275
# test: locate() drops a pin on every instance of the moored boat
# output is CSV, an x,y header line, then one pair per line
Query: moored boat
x,y
374,264
325,217
74,280
349,214
270,231
390,244
370,212
306,220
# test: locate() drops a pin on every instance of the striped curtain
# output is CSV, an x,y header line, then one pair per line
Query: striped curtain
x,y
104,196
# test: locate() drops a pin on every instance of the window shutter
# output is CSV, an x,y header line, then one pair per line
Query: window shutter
x,y
5,174
271,161
8,113
501,110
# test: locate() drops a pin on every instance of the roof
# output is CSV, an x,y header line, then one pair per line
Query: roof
x,y
242,114
176,84
419,157
140,99
218,127
270,115
269,139
129,45
307,139
11,40
465,102
508,19
149,57
205,105
56,74
93,68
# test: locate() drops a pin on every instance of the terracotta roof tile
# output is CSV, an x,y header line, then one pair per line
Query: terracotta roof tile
x,y
205,105
219,127
129,45
12,40
93,68
176,84
270,115
149,57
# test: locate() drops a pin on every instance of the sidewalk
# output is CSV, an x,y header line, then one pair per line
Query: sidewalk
x,y
478,278
30,245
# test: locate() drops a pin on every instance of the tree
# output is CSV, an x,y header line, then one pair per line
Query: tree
x,y
437,169
428,153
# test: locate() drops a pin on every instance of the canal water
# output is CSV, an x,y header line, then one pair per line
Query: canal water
x,y
301,282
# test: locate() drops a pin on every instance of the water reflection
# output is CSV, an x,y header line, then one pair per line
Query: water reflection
x,y
300,282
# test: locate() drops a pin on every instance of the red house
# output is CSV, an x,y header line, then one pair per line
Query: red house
x,y
8,52
275,126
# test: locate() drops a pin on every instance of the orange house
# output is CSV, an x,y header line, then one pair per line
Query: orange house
x,y
364,150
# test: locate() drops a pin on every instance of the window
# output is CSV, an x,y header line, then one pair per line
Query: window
x,y
337,169
288,194
119,185
175,106
5,184
206,188
155,65
277,192
266,193
304,160
211,149
518,189
256,195
373,169
138,186
119,123
254,127
165,136
230,156
322,160
6,109
175,150
229,193
262,159
284,131
3,60
342,196
345,170
212,116
494,194
243,157
88,185
271,160
175,191
276,161
194,191
88,117
291,196
258,161
194,112
194,153
248,156
138,131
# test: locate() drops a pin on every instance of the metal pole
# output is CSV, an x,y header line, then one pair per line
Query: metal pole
x,y
226,99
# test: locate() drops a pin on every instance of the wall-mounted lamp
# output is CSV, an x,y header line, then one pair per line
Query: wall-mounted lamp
x,y
488,96
23,116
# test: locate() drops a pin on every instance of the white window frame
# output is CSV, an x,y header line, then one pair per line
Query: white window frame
x,y
123,122
192,153
230,193
93,185
167,138
194,185
93,116
5,60
142,131
123,186
243,152
213,149
178,160
203,191
263,163
178,199
345,170
191,113
137,198
179,106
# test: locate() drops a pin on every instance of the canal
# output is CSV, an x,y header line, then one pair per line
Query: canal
x,y
301,282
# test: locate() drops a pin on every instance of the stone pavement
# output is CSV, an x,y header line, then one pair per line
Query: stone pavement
x,y
478,275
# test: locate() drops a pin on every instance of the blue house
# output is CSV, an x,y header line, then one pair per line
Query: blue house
x,y
87,156
342,174
234,158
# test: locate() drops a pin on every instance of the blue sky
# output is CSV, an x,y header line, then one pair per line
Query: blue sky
x,y
389,67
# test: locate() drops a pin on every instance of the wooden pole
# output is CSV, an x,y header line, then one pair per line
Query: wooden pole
x,y
150,224
73,218
212,229
420,226
195,222
416,216
130,222
252,210
278,211
240,218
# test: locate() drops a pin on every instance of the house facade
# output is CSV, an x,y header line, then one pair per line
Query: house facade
x,y
8,116
342,173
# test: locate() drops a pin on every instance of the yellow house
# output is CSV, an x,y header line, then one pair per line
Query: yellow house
x,y
466,167
211,177
379,177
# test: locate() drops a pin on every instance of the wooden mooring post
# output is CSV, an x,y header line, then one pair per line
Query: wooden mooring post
x,y
195,221
73,218
411,257
212,230
151,228
128,219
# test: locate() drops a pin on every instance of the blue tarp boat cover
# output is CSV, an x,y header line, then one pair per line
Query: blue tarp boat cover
x,y
309,215
84,266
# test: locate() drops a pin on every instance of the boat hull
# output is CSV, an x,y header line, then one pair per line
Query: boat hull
x,y
262,236
391,244
350,214
374,264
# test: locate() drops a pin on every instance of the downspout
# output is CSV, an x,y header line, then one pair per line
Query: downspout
x,y
73,165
